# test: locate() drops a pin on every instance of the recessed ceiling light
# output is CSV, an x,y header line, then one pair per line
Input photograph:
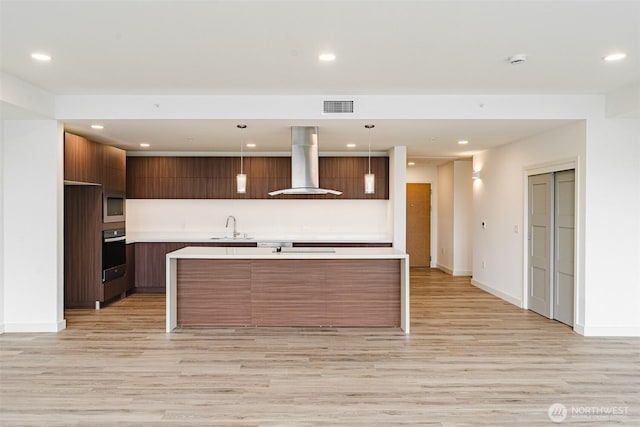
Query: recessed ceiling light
x,y
617,56
351,145
251,145
411,164
145,145
39,56
97,127
463,142
327,57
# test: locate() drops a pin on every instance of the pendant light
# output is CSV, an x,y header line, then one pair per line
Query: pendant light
x,y
369,178
241,178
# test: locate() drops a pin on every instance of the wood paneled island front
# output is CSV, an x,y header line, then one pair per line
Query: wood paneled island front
x,y
349,287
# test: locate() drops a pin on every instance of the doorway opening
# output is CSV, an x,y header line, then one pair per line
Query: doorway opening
x,y
551,245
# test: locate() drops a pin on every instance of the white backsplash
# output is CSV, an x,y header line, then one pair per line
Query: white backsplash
x,y
367,220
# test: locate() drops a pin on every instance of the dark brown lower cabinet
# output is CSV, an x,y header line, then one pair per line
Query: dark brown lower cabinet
x,y
150,265
123,284
131,266
151,261
114,288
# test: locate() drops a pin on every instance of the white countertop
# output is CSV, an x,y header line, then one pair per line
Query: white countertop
x,y
202,237
288,253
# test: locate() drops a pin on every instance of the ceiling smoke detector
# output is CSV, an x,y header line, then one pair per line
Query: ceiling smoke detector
x,y
517,59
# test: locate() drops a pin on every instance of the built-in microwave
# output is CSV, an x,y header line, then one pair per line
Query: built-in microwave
x,y
113,207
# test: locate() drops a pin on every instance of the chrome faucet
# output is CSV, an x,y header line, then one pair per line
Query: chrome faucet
x,y
235,233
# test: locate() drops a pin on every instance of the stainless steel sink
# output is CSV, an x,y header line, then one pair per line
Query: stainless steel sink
x,y
303,250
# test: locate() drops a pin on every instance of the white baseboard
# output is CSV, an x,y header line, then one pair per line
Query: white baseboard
x,y
499,294
462,273
35,327
579,329
453,272
611,331
444,268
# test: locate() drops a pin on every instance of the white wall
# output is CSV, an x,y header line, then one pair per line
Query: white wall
x,y
422,174
445,217
462,217
624,102
428,174
398,196
277,218
499,202
2,192
33,226
612,240
455,204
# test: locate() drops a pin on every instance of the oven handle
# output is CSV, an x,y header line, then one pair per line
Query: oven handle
x,y
115,239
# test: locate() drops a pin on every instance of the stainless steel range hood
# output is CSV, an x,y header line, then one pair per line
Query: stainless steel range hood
x,y
304,163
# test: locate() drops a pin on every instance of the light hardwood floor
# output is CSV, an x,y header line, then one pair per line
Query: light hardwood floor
x,y
472,359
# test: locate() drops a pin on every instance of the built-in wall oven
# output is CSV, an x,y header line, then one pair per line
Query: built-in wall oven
x,y
114,254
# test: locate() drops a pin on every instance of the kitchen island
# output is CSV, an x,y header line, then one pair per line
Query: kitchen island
x,y
346,287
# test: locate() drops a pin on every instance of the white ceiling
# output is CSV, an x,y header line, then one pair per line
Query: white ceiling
x,y
435,139
271,48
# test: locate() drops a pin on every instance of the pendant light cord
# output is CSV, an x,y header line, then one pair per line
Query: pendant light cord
x,y
369,127
242,128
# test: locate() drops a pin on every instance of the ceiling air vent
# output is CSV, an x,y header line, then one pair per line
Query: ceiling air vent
x,y
338,106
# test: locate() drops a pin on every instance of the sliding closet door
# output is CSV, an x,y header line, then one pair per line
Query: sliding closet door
x,y
540,243
564,234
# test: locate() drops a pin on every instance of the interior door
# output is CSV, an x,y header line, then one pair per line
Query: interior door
x,y
564,246
419,224
540,243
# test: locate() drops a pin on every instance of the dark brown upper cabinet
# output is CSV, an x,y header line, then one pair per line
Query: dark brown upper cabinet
x,y
214,177
82,159
91,162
